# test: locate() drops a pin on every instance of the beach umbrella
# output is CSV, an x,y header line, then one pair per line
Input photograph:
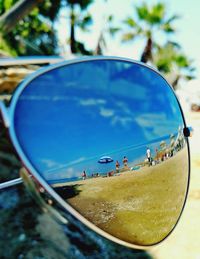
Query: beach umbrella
x,y
105,160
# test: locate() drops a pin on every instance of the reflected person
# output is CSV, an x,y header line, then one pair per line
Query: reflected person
x,y
148,153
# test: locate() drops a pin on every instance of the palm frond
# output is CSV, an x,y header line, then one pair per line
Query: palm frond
x,y
189,77
151,14
182,61
167,27
130,22
142,11
173,18
113,30
128,36
84,22
174,44
110,18
158,9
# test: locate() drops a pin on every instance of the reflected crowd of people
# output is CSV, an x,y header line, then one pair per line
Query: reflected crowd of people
x,y
166,151
117,170
154,155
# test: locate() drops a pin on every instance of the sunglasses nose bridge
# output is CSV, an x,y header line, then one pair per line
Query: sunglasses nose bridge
x,y
5,114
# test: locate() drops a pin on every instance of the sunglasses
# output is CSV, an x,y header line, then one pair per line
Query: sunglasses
x,y
103,139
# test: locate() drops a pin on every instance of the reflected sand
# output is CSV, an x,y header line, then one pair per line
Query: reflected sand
x,y
139,207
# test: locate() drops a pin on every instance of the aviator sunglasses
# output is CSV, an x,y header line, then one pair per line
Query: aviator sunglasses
x,y
104,139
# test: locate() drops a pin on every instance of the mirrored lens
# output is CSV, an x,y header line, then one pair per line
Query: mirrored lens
x,y
108,136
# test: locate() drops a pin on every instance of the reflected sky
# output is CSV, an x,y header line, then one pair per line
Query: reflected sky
x,y
68,118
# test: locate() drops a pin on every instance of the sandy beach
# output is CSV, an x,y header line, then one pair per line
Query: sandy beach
x,y
184,242
144,203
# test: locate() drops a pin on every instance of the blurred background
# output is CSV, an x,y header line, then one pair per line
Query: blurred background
x,y
164,34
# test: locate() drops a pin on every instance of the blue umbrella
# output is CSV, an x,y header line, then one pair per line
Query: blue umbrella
x,y
105,160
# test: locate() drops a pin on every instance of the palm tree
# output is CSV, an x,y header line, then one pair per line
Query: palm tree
x,y
79,18
108,29
174,64
149,21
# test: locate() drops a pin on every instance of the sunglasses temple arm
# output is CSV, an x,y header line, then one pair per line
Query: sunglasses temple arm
x,y
10,183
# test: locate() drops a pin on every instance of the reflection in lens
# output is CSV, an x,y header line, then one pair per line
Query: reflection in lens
x,y
108,136
142,196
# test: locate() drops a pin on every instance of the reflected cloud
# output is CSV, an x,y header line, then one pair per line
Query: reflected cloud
x,y
79,160
119,114
124,107
123,121
59,166
149,119
91,102
61,175
123,88
70,172
154,125
106,112
50,163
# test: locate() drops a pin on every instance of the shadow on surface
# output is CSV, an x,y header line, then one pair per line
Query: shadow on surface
x,y
67,192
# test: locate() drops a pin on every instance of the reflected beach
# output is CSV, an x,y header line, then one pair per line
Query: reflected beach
x,y
145,199
148,154
110,144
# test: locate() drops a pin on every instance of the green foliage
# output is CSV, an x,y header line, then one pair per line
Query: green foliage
x,y
171,61
50,9
34,34
142,11
167,28
182,61
152,14
149,20
128,36
157,13
84,22
146,24
113,30
5,5
82,3
130,22
8,4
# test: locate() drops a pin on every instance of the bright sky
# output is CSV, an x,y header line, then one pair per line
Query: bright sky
x,y
187,35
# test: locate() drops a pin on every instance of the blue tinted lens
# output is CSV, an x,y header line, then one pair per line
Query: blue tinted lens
x,y
69,117
108,136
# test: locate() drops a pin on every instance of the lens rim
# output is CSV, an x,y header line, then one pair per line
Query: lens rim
x,y
42,181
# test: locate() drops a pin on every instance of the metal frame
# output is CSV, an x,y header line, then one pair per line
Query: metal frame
x,y
11,183
8,115
31,60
